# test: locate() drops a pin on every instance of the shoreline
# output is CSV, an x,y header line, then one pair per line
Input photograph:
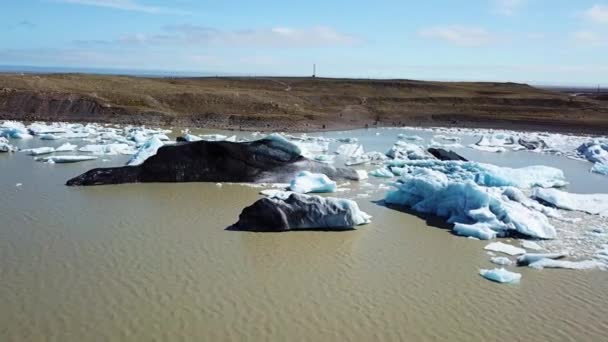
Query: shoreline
x,y
295,104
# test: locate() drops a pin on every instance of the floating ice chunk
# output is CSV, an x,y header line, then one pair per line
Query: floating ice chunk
x,y
572,265
434,143
191,137
274,193
65,159
594,151
409,137
312,148
491,175
531,245
324,158
19,185
600,168
503,261
358,160
5,146
110,149
147,150
406,151
350,150
492,149
447,138
49,136
162,137
213,137
382,173
596,204
67,147
361,175
306,182
376,157
530,258
284,212
42,129
500,275
429,191
231,138
504,248
39,151
14,130
498,139
478,230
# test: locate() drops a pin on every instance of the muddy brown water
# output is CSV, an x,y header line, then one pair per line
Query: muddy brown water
x,y
153,262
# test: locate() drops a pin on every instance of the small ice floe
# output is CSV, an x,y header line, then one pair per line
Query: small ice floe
x,y
350,150
406,151
571,265
361,175
19,184
5,146
39,151
14,130
409,137
501,260
65,159
504,248
600,168
147,150
191,137
306,182
50,136
595,204
324,158
67,147
530,258
274,193
293,211
492,149
531,245
436,144
358,160
500,275
109,149
382,173
497,139
213,137
376,157
479,231
594,151
447,138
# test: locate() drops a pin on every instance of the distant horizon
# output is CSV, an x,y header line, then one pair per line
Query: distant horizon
x,y
32,69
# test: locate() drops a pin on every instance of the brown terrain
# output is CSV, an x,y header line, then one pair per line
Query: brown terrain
x,y
295,104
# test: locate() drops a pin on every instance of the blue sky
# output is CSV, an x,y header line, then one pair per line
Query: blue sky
x,y
534,41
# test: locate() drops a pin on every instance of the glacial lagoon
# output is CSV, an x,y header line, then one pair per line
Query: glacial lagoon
x,y
143,261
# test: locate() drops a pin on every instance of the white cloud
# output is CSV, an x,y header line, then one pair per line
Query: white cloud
x,y
509,7
588,38
597,14
460,35
125,5
194,35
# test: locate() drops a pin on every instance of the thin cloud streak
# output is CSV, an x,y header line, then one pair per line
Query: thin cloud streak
x,y
125,5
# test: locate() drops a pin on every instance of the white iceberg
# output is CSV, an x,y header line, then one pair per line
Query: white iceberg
x,y
531,245
530,258
572,265
503,261
497,139
191,137
50,136
492,149
358,160
595,204
5,146
594,151
65,159
476,209
67,147
504,248
39,151
406,151
409,137
382,173
108,149
147,150
350,150
491,175
306,182
500,275
213,137
600,168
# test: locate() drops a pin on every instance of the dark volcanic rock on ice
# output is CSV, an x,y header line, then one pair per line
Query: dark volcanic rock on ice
x,y
269,160
442,154
300,212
